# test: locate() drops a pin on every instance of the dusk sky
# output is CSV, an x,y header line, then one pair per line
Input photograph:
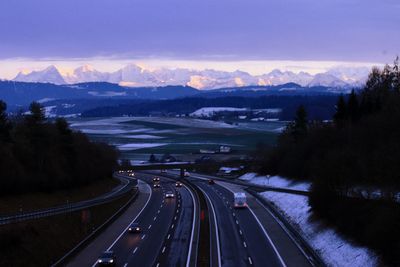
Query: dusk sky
x,y
198,33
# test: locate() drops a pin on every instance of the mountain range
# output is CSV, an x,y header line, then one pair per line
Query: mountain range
x,y
134,75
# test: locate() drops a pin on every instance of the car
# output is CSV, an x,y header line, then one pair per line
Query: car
x,y
107,258
163,170
211,181
134,228
186,174
156,185
131,174
178,184
156,179
169,194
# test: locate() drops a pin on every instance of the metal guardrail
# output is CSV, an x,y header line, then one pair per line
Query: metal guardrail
x,y
67,208
62,261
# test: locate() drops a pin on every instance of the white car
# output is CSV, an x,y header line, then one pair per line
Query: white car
x,y
186,174
169,194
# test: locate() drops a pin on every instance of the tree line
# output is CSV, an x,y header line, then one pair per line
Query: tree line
x,y
41,155
353,162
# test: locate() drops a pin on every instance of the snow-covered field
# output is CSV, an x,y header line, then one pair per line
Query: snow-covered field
x,y
210,111
143,136
134,146
276,181
334,249
186,122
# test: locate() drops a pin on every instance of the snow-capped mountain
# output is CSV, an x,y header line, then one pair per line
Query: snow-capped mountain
x,y
48,75
86,73
134,75
325,79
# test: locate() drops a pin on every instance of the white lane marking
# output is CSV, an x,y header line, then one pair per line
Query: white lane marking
x,y
143,236
126,264
216,227
240,232
158,264
284,228
237,222
175,218
161,206
158,211
193,225
244,244
250,261
173,225
155,218
123,232
163,250
264,231
140,212
177,210
169,235
149,226
233,214
134,251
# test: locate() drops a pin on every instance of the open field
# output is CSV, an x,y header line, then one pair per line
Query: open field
x,y
137,137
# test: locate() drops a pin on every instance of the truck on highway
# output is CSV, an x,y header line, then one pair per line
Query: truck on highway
x,y
239,200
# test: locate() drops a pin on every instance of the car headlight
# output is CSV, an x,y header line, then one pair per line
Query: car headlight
x,y
137,228
100,261
130,229
111,260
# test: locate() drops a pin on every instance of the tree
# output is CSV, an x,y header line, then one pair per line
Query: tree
x,y
4,122
341,114
62,126
300,126
36,115
353,107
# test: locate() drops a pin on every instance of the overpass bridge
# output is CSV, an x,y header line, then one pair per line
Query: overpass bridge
x,y
182,166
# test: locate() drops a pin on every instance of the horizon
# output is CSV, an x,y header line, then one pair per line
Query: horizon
x,y
254,68
297,36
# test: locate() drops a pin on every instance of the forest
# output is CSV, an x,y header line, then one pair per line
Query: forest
x,y
41,155
353,162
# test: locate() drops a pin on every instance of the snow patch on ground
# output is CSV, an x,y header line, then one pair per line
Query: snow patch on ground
x,y
334,250
185,122
50,111
210,111
44,100
135,146
143,136
275,181
104,131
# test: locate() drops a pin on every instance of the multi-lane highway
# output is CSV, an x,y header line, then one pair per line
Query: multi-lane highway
x,y
167,229
170,229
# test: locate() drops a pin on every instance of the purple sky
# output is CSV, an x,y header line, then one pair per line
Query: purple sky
x,y
330,30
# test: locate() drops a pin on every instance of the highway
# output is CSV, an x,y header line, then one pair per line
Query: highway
x,y
250,236
167,229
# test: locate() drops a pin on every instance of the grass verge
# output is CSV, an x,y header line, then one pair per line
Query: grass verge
x,y
35,201
42,242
